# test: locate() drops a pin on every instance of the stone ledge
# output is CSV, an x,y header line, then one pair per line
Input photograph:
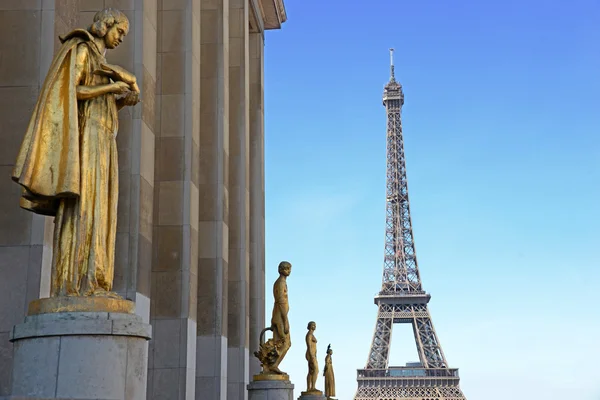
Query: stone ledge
x,y
268,385
84,323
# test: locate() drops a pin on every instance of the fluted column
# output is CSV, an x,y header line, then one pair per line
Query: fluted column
x,y
239,202
213,250
172,372
257,196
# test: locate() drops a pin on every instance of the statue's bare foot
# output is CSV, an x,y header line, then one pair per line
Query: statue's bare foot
x,y
277,371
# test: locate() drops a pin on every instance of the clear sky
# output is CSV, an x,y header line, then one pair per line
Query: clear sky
x,y
502,138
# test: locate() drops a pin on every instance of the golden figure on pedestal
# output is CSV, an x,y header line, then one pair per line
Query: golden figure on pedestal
x,y
274,350
67,163
328,374
311,357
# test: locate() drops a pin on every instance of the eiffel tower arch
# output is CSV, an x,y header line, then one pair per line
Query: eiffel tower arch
x,y
402,298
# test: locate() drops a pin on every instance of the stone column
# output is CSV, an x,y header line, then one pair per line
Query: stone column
x,y
135,144
239,200
257,197
172,360
26,44
213,253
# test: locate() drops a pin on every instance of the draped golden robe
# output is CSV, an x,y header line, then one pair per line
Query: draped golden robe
x,y
329,377
67,166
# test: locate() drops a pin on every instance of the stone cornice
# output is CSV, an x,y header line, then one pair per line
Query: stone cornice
x,y
256,16
273,13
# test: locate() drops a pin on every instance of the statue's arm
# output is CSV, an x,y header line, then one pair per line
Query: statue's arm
x,y
89,92
286,325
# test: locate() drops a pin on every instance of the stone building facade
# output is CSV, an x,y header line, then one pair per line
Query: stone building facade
x,y
190,241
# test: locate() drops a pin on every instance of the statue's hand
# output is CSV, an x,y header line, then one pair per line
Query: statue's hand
x,y
119,87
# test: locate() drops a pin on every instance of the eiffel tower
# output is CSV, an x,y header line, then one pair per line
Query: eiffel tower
x,y
402,298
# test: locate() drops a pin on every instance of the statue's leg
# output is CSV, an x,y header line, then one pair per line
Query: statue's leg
x,y
282,352
110,174
277,325
99,196
90,217
65,280
315,375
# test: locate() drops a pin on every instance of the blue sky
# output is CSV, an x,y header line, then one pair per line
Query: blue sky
x,y
502,139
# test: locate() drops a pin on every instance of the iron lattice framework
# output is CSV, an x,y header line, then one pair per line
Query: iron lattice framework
x,y
402,298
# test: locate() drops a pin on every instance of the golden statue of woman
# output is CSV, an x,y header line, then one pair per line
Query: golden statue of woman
x,y
328,374
311,357
67,164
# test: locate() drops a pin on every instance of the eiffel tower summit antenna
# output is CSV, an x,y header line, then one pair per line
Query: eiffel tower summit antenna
x,y
402,298
392,77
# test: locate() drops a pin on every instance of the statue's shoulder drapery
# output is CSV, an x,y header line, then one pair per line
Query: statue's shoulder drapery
x,y
47,165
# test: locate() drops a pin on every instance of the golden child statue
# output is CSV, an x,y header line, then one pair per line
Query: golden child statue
x,y
67,164
328,374
274,350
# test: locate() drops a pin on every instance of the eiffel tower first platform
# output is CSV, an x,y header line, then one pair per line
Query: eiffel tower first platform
x,y
402,298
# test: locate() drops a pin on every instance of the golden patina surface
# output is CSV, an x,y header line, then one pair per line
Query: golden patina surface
x,y
329,375
79,304
67,164
271,377
272,352
311,357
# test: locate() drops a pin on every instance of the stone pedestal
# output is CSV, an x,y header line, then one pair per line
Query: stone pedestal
x,y
270,390
83,355
312,395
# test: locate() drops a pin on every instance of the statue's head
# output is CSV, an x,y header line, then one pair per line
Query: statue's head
x,y
285,268
312,325
111,25
329,351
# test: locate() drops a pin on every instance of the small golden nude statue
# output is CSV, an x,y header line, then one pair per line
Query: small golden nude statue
x,y
67,164
272,352
311,357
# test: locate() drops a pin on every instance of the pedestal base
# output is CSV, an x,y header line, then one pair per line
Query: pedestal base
x,y
312,395
270,390
80,355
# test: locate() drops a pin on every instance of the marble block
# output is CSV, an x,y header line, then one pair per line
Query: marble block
x,y
270,390
80,355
